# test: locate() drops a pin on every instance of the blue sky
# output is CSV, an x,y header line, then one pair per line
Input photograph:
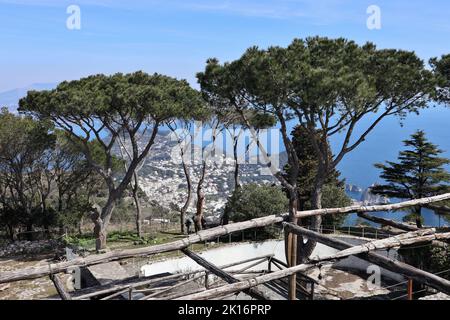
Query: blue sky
x,y
175,37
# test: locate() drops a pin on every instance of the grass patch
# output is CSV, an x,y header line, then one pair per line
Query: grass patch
x,y
120,239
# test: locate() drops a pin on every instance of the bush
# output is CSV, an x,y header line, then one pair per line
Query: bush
x,y
255,201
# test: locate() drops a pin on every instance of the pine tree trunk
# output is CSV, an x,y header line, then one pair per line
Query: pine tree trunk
x,y
101,222
11,232
138,206
200,201
138,215
306,249
236,164
189,194
419,217
29,232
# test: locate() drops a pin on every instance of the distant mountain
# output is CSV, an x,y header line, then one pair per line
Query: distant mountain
x,y
11,98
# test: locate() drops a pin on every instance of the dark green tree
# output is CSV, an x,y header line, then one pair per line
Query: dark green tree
x,y
252,201
25,173
418,173
103,107
334,195
441,69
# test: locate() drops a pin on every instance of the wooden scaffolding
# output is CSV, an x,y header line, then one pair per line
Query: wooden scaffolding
x,y
245,280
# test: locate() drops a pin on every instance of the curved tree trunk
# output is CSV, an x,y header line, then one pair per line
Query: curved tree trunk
x,y
101,222
198,221
306,249
11,233
80,226
236,164
29,231
138,205
419,217
189,194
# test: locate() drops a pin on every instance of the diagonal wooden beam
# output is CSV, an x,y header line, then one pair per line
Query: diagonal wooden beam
x,y
59,285
250,283
387,222
253,292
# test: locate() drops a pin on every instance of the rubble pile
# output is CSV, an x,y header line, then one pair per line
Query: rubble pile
x,y
28,247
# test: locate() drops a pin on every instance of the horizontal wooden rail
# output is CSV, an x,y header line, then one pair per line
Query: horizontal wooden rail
x,y
376,208
205,235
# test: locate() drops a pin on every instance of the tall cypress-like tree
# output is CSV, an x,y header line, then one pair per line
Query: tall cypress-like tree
x,y
334,195
419,173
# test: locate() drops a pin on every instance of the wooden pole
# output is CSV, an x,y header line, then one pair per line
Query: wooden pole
x,y
253,292
172,287
250,283
425,235
376,208
59,285
292,262
395,266
410,289
398,225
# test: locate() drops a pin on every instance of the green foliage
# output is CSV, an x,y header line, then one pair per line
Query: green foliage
x,y
95,110
87,241
334,196
412,217
419,173
441,69
104,98
428,258
25,156
254,201
98,110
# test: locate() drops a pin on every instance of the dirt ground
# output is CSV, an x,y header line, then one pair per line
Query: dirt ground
x,y
41,288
